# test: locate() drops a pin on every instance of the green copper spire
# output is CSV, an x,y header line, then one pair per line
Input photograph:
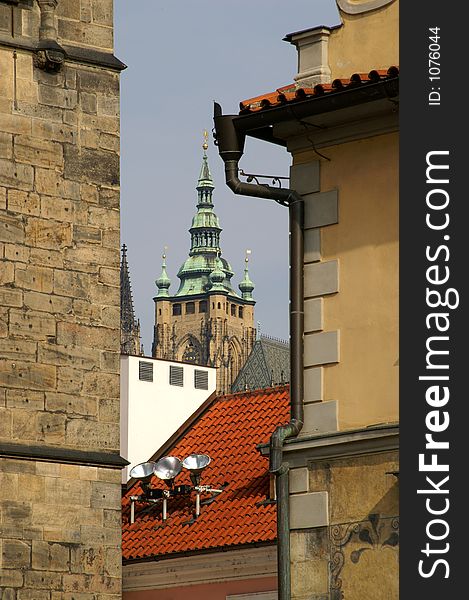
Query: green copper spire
x,y
205,250
163,282
246,286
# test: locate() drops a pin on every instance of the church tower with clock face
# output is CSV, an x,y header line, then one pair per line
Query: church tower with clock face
x,y
206,321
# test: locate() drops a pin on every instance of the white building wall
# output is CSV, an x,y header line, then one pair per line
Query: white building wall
x,y
151,411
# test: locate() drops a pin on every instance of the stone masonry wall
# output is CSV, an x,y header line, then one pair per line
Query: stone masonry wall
x,y
59,307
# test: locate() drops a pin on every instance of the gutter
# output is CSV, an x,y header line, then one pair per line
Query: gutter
x,y
230,143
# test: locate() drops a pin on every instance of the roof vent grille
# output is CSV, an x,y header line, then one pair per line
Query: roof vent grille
x,y
176,376
145,371
200,379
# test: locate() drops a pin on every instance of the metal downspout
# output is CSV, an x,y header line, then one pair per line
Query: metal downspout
x,y
231,144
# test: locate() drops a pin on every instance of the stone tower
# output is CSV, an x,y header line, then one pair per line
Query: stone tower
x,y
206,321
130,327
59,301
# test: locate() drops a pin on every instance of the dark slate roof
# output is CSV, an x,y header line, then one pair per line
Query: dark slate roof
x,y
267,365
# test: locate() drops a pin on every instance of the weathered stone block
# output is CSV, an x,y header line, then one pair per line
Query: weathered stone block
x,y
48,258
17,513
91,235
109,276
25,399
11,228
16,253
101,384
109,197
87,34
85,335
71,404
3,198
92,434
6,145
91,165
47,303
89,193
69,492
51,183
94,81
88,102
14,123
51,427
86,559
54,96
69,380
48,234
110,316
108,105
107,141
109,410
16,554
30,594
59,209
8,484
30,277
43,580
105,295
87,312
111,238
109,362
23,202
39,111
81,358
30,489
56,132
37,151
11,577
71,283
87,255
7,272
104,218
18,349
27,375
104,495
36,326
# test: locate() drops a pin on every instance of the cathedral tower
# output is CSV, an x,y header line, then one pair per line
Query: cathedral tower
x,y
206,321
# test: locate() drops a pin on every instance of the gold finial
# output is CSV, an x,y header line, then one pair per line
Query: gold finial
x,y
205,144
248,252
164,253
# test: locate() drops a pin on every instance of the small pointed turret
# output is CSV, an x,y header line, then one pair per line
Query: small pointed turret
x,y
246,286
130,328
217,276
163,282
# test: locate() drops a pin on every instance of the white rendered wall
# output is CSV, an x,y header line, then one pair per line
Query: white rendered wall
x,y
152,411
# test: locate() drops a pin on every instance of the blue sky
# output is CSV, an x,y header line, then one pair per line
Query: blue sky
x,y
181,56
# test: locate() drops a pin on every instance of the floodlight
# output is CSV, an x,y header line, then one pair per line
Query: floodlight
x,y
143,471
167,468
196,463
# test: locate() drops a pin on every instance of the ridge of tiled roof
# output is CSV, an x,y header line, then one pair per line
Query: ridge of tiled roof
x,y
228,431
295,93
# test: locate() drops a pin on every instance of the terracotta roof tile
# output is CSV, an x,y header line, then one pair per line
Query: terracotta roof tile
x,y
294,93
228,431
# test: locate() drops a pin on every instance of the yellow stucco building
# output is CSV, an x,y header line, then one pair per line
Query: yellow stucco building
x,y
339,121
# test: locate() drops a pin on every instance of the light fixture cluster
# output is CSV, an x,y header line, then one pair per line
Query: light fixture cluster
x,y
167,469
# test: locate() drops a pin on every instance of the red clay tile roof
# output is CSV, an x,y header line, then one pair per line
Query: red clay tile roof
x,y
294,93
228,431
